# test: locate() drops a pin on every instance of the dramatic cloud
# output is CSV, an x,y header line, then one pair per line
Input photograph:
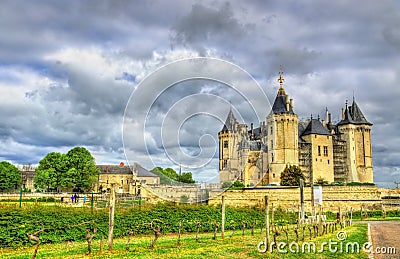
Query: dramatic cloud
x,y
68,69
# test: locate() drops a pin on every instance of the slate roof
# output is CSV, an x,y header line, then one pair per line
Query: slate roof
x,y
315,127
257,132
302,127
116,169
230,120
354,115
279,105
142,172
357,114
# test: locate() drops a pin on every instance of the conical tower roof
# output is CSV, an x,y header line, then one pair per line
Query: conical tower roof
x,y
353,115
230,121
279,105
357,115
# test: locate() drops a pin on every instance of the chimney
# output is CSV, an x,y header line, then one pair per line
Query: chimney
x,y
291,103
287,103
342,113
323,123
330,121
252,130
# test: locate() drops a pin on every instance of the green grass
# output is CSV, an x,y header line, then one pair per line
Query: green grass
x,y
166,247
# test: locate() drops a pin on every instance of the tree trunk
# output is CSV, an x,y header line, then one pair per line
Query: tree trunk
x,y
156,234
198,229
101,244
179,232
89,238
128,243
36,239
215,230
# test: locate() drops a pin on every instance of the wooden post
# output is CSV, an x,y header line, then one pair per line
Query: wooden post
x,y
111,219
301,199
312,189
351,216
320,220
223,218
266,222
272,218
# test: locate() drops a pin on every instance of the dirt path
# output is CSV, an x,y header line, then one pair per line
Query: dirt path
x,y
386,239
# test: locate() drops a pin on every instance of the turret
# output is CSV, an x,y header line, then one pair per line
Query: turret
x,y
356,131
282,138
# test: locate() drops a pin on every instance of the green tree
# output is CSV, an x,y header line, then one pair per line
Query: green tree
x,y
291,176
170,173
237,185
186,177
50,172
321,181
160,172
170,176
10,176
226,184
82,172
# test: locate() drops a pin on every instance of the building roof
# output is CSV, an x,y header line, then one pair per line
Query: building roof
x,y
357,114
230,120
279,105
142,172
353,115
257,132
116,169
316,127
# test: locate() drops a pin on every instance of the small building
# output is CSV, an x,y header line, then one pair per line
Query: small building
x,y
127,179
27,180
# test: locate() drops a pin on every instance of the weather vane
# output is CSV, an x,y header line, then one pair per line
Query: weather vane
x,y
281,79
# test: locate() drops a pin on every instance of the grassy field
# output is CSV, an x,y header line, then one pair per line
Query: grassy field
x,y
237,246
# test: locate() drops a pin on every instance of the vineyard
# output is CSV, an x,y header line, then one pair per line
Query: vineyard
x,y
183,223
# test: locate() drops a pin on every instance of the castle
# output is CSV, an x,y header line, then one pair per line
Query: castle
x,y
325,151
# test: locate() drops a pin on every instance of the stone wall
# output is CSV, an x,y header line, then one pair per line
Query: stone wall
x,y
193,192
289,197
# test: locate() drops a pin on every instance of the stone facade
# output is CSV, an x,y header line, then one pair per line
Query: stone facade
x,y
324,151
334,197
124,178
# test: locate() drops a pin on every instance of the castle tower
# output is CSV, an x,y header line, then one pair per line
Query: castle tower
x,y
228,149
356,132
321,151
282,135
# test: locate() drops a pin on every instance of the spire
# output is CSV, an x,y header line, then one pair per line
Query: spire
x,y
282,103
357,114
347,117
281,91
230,121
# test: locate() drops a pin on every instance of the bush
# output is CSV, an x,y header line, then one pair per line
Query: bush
x,y
360,184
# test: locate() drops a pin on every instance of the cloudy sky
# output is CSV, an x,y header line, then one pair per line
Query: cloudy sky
x,y
68,70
